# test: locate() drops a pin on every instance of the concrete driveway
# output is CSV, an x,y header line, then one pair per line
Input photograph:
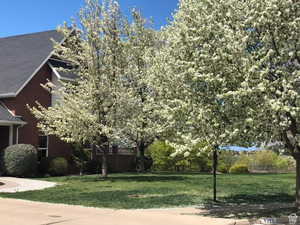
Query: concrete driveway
x,y
17,212
14,184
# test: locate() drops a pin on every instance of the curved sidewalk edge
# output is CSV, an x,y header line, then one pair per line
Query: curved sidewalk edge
x,y
13,184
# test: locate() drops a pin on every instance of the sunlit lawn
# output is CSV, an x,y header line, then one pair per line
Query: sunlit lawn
x,y
163,190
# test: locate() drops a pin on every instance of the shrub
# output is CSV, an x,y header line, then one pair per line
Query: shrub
x,y
222,168
43,166
58,167
201,162
148,162
20,160
160,152
264,160
92,167
226,160
239,168
282,164
80,157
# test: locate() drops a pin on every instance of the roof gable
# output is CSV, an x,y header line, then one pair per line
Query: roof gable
x,y
20,58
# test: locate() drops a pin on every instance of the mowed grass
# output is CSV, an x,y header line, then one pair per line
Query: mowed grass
x,y
130,191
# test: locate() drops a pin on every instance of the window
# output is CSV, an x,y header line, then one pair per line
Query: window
x,y
43,147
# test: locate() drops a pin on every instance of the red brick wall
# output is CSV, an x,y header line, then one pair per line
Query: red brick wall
x,y
32,92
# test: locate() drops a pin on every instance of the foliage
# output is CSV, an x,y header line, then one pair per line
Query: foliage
x,y
43,166
266,161
58,167
244,159
226,159
146,164
161,152
164,190
193,70
20,160
222,168
80,156
202,161
282,164
140,111
165,158
239,168
88,109
110,101
92,167
271,84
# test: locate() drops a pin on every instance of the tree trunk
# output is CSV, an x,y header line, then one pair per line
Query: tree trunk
x,y
215,162
104,147
297,158
141,156
104,164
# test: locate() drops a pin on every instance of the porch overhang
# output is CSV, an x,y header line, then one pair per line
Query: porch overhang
x,y
8,123
7,117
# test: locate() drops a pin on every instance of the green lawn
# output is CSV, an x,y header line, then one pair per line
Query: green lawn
x,y
163,190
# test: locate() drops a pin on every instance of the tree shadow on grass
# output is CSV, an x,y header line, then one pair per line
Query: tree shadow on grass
x,y
250,206
258,198
129,178
138,178
117,199
134,199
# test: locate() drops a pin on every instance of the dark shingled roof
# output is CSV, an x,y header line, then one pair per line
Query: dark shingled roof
x,y
5,115
21,56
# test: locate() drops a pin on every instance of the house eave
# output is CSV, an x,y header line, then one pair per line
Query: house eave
x,y
8,95
7,122
56,73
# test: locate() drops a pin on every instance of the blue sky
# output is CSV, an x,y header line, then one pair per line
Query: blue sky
x,y
27,16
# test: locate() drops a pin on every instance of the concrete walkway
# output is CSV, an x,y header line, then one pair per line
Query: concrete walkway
x,y
16,212
13,184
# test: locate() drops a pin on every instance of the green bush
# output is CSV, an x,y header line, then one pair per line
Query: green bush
x,y
20,160
80,157
160,152
92,167
226,160
43,166
282,164
222,168
239,168
263,160
58,167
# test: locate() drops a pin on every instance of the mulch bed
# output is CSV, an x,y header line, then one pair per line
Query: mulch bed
x,y
1,183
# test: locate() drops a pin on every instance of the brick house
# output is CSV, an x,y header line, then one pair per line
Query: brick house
x,y
26,62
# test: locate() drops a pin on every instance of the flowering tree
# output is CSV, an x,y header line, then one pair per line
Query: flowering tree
x,y
203,50
141,111
234,71
88,108
111,101
271,87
